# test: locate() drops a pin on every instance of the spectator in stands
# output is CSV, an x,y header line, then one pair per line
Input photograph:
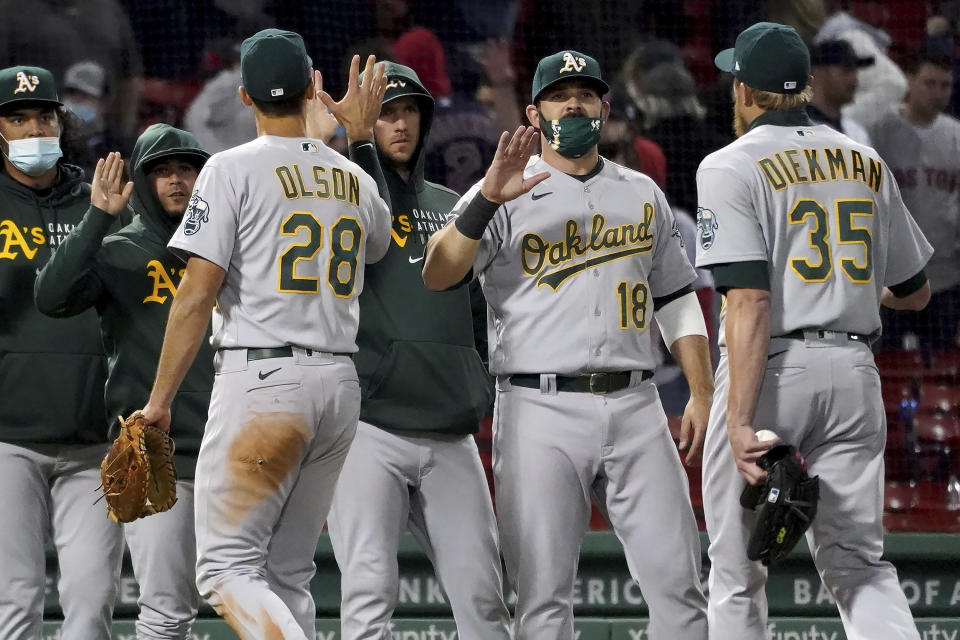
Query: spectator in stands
x,y
878,85
464,134
622,139
834,65
921,145
55,32
673,117
84,96
217,117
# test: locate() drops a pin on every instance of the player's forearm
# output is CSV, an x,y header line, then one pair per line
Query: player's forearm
x,y
449,257
693,355
748,336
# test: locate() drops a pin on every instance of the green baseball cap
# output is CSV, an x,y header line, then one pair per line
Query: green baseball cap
x,y
565,65
27,84
769,57
274,65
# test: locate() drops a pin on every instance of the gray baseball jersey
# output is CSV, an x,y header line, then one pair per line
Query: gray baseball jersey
x,y
819,208
293,272
926,163
570,271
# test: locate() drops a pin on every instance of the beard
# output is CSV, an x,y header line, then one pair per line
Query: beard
x,y
739,122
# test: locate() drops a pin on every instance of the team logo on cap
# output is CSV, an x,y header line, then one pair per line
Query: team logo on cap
x,y
396,84
198,212
706,227
27,83
572,64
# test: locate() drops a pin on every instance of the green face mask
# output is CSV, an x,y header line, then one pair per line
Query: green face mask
x,y
571,137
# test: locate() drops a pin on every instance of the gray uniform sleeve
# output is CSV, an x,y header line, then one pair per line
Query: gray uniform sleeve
x,y
209,225
728,229
671,267
909,249
493,237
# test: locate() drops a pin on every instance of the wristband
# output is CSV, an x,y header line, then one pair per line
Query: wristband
x,y
476,216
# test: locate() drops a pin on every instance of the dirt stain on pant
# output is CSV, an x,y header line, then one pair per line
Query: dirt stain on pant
x,y
267,449
263,626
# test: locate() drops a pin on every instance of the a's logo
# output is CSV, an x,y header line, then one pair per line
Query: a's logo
x,y
198,212
161,281
572,64
396,84
12,239
309,147
26,83
537,196
706,227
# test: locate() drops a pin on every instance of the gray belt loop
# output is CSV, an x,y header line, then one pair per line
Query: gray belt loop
x,y
548,383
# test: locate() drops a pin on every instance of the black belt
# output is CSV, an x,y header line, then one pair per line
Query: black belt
x,y
822,333
280,352
599,383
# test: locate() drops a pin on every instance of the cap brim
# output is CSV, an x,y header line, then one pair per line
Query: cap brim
x,y
603,86
197,155
22,101
724,60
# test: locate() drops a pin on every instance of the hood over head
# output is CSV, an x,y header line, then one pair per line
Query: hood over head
x,y
403,82
157,142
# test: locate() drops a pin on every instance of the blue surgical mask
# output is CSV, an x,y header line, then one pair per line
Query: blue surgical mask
x,y
83,110
33,156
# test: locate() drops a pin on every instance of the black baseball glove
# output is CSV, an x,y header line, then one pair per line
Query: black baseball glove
x,y
785,501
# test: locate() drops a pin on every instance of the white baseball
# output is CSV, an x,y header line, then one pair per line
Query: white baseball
x,y
765,434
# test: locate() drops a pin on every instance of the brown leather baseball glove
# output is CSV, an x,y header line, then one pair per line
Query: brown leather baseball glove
x,y
137,473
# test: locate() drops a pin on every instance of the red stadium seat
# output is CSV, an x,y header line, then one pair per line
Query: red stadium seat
x,y
939,428
897,364
942,398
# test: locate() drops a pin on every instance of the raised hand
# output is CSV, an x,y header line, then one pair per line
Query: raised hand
x,y
504,179
105,190
321,124
359,108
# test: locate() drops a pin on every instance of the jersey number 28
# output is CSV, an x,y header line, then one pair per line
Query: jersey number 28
x,y
345,235
859,269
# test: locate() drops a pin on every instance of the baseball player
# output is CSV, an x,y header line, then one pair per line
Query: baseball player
x,y
52,429
277,232
576,257
798,224
130,278
921,145
414,463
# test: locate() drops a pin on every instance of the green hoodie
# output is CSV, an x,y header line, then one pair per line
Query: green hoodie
x,y
130,278
418,367
51,371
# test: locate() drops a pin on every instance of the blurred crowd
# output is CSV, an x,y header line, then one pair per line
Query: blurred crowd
x,y
883,74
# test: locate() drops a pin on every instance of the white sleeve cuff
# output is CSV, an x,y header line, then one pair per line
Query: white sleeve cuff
x,y
681,317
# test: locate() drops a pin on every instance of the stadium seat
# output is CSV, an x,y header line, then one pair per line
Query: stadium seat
x,y
943,398
899,364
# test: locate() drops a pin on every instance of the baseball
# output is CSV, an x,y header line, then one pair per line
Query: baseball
x,y
765,434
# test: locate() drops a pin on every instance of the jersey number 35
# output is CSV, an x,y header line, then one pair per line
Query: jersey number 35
x,y
858,269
